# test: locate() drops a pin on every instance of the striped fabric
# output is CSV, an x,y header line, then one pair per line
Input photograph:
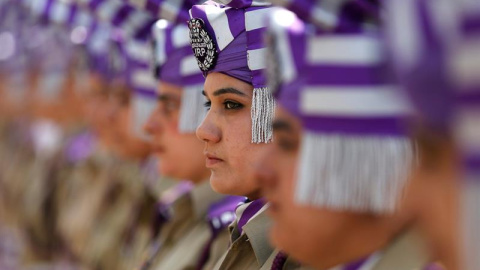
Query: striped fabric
x,y
335,81
225,23
175,64
55,11
244,3
97,46
62,13
419,56
336,15
175,11
173,59
142,82
436,53
229,23
355,155
135,23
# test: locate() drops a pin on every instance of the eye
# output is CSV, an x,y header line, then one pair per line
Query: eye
x,y
287,145
207,104
231,105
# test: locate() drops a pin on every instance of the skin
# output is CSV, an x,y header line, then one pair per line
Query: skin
x,y
96,107
125,143
434,193
317,237
107,110
226,133
180,154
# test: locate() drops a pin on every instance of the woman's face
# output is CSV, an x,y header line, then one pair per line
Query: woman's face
x,y
125,142
314,236
95,104
180,154
227,133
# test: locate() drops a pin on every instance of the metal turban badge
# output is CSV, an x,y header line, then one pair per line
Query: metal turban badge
x,y
203,45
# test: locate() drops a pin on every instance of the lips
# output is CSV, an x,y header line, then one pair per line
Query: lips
x,y
158,149
212,160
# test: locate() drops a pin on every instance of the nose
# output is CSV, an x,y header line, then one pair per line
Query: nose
x,y
264,171
209,131
152,125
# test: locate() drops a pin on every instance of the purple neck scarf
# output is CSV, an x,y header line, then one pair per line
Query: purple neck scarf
x,y
249,212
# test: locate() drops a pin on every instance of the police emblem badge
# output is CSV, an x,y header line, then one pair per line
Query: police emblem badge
x,y
203,45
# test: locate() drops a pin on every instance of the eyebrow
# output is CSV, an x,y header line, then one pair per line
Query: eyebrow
x,y
165,97
228,90
281,125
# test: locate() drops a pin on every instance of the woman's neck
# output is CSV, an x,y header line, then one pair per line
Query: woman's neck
x,y
360,240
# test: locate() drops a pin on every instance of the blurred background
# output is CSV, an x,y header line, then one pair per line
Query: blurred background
x,y
78,187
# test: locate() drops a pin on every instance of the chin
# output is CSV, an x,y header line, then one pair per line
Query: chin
x,y
168,171
222,184
282,239
218,184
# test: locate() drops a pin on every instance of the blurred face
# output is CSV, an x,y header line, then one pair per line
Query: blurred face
x,y
314,236
434,194
226,133
120,133
107,111
181,155
95,100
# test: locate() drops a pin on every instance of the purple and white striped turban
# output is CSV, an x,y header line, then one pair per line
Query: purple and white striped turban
x,y
418,53
141,80
175,11
97,46
175,64
54,54
436,52
341,15
229,39
465,65
355,155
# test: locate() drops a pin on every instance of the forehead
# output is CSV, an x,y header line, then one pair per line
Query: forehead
x,y
169,89
216,80
283,115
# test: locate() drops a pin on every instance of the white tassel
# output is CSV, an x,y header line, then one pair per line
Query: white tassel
x,y
142,108
263,111
354,173
192,111
471,221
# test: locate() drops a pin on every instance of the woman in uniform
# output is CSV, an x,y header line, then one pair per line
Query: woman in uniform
x,y
340,160
227,42
192,218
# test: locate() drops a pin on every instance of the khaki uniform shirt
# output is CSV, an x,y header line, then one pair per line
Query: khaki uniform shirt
x,y
251,249
407,252
182,240
100,220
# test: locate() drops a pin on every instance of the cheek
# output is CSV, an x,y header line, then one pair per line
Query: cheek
x,y
294,229
236,135
184,156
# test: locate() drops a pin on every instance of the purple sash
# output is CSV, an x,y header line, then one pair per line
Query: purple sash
x,y
249,212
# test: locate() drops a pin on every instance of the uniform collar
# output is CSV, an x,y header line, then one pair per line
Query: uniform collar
x,y
257,231
407,251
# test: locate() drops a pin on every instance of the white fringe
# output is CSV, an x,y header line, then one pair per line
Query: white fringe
x,y
354,173
263,111
192,111
142,107
471,221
